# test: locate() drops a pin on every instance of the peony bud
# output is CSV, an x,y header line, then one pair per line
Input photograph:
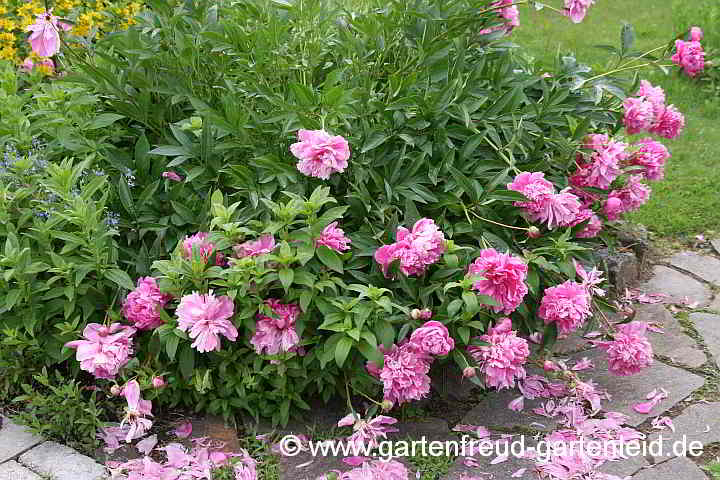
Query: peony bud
x,y
415,314
116,390
534,232
387,405
469,372
549,366
158,382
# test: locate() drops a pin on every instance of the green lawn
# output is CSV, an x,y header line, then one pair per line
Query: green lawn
x,y
687,201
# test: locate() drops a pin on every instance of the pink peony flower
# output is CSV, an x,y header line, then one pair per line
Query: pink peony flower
x,y
696,34
592,229
333,238
603,164
199,243
652,156
45,37
47,65
253,248
469,372
509,12
503,278
690,56
320,154
277,334
532,185
405,374
631,197
375,470
432,338
205,317
502,360
630,351
424,314
669,124
639,114
366,432
577,9
136,412
172,176
105,350
142,305
656,95
158,382
416,249
567,304
558,209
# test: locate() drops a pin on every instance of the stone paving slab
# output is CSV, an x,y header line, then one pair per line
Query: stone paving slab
x,y
59,462
698,422
492,412
704,266
627,391
674,343
624,467
503,470
716,244
14,471
715,305
708,326
15,439
677,286
676,469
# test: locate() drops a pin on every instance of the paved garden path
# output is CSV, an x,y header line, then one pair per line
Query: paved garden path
x,y
687,358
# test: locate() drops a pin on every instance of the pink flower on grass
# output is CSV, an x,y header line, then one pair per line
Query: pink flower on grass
x,y
276,334
320,153
503,278
45,37
509,13
567,304
639,114
656,95
405,374
652,156
333,238
105,350
669,123
690,56
416,249
602,166
367,432
142,305
205,317
502,360
577,9
630,351
696,34
172,176
432,338
136,412
253,248
631,197
199,243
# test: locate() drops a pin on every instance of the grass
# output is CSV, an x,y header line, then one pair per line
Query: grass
x,y
686,202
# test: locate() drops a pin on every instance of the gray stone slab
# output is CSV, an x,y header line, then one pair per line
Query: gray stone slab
x,y
704,266
715,305
627,391
708,326
625,466
677,468
674,343
459,470
716,244
59,462
14,471
677,286
698,422
492,412
15,440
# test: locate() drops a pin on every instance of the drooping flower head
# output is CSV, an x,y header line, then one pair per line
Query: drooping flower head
x,y
253,248
630,351
531,184
592,228
631,197
503,278
577,9
669,123
136,412
557,209
206,317
367,432
432,338
333,238
405,374
320,153
651,155
639,114
567,304
690,56
105,350
169,174
502,361
45,37
277,334
416,249
198,242
373,470
509,13
142,305
602,165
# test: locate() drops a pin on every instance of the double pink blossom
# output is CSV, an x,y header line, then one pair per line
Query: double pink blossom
x,y
416,249
650,155
136,412
593,227
696,34
577,9
630,351
333,238
45,37
567,305
502,360
690,56
432,338
669,124
647,112
631,197
277,334
142,305
600,167
404,374
105,350
206,317
320,153
253,248
557,209
199,243
503,278
367,432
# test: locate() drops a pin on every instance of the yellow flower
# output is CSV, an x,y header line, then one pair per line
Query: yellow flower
x,y
8,52
7,24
